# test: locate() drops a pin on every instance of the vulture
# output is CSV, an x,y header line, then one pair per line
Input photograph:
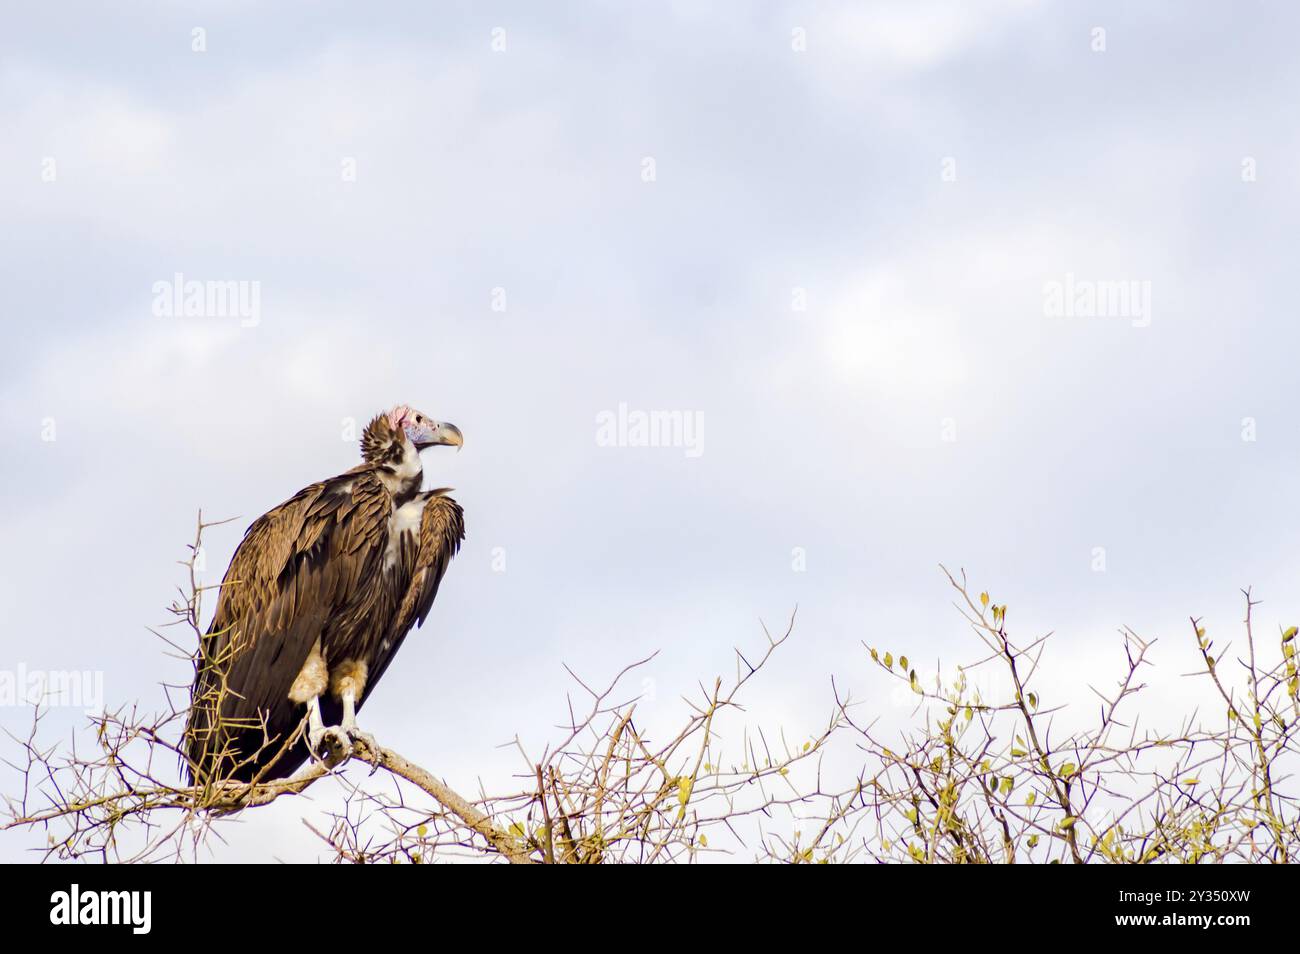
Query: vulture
x,y
316,602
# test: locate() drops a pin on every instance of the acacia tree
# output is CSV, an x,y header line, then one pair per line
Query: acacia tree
x,y
981,776
993,780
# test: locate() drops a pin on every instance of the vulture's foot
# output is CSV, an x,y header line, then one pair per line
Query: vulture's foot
x,y
331,745
368,742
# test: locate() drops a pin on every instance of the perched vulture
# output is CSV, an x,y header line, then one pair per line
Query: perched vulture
x,y
317,600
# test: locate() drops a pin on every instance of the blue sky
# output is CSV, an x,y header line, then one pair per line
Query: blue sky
x,y
916,174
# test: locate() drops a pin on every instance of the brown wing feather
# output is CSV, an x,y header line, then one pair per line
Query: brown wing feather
x,y
442,528
300,570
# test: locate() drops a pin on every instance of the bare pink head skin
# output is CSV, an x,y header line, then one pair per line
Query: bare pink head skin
x,y
422,430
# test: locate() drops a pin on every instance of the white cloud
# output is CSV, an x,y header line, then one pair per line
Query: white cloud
x,y
878,340
899,35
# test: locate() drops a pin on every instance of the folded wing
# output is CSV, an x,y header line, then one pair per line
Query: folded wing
x,y
300,567
442,528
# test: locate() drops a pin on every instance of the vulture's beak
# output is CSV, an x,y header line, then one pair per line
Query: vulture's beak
x,y
449,435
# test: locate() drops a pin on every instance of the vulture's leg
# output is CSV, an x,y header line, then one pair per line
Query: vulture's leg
x,y
354,734
315,725
349,700
348,682
312,680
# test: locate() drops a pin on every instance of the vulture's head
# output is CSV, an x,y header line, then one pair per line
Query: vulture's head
x,y
386,435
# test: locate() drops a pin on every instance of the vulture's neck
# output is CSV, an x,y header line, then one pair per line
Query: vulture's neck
x,y
402,472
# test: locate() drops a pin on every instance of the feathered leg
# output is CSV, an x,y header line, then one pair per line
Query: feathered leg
x,y
348,682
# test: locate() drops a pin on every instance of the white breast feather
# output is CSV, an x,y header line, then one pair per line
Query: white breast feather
x,y
405,520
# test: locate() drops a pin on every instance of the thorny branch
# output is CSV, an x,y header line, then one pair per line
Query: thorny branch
x,y
989,772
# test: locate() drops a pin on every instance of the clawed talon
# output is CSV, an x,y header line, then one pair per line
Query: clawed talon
x,y
371,746
335,743
330,744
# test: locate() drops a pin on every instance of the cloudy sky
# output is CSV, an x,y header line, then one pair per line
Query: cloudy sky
x,y
828,236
